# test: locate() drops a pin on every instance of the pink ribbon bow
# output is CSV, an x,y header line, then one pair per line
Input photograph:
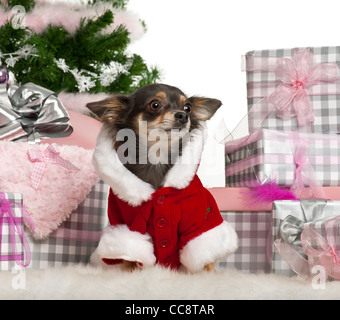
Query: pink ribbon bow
x,y
297,75
290,99
320,251
304,172
42,158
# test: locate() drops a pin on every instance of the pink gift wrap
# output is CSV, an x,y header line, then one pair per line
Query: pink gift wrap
x,y
77,237
289,158
85,132
290,89
253,229
14,247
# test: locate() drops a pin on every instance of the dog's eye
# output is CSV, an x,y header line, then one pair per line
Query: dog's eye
x,y
187,108
154,105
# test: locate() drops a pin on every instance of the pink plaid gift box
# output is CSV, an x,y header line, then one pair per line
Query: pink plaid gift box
x,y
293,88
14,247
289,158
253,228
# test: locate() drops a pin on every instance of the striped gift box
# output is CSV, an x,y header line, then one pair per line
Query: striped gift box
x,y
77,237
272,155
263,79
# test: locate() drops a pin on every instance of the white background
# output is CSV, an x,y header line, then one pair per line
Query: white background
x,y
198,46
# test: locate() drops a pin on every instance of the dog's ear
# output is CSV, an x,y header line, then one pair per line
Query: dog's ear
x,y
204,108
111,109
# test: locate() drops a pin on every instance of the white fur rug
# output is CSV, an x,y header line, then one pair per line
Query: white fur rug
x,y
84,282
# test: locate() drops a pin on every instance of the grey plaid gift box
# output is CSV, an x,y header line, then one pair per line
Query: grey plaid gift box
x,y
263,79
11,242
77,237
254,232
276,155
289,220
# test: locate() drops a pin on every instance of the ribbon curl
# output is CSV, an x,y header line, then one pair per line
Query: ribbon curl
x,y
41,158
31,112
304,172
15,227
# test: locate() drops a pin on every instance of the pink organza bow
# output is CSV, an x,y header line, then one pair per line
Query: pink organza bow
x,y
304,172
320,251
42,158
297,75
290,98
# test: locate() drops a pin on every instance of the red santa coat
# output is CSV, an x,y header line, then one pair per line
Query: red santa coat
x,y
178,224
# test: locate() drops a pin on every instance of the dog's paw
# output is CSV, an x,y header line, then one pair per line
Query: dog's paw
x,y
124,264
210,267
131,265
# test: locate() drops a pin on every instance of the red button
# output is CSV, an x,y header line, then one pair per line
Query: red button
x,y
160,200
164,243
162,222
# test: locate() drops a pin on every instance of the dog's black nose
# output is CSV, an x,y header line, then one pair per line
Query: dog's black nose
x,y
181,117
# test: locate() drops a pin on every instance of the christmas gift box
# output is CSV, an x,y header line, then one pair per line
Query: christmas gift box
x,y
296,226
77,237
53,179
290,158
253,228
30,113
85,132
290,89
14,248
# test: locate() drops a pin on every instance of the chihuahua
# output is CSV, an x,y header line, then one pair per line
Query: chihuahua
x,y
163,109
158,209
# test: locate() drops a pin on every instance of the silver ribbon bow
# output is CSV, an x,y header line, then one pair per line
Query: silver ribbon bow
x,y
31,112
291,227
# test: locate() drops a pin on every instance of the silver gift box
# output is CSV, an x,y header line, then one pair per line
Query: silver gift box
x,y
289,220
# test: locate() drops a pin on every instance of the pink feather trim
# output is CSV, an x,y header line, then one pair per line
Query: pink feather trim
x,y
267,193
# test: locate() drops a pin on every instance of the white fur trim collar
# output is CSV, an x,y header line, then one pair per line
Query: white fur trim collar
x,y
127,186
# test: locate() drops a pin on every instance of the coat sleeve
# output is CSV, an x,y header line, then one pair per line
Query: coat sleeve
x,y
119,243
209,238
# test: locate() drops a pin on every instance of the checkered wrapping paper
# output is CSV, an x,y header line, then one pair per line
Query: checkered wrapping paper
x,y
7,261
310,217
271,156
254,232
77,237
326,106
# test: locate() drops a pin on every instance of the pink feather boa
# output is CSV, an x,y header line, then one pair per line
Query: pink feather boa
x,y
69,16
266,193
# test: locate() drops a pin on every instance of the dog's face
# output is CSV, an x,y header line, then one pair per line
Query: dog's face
x,y
150,127
160,106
